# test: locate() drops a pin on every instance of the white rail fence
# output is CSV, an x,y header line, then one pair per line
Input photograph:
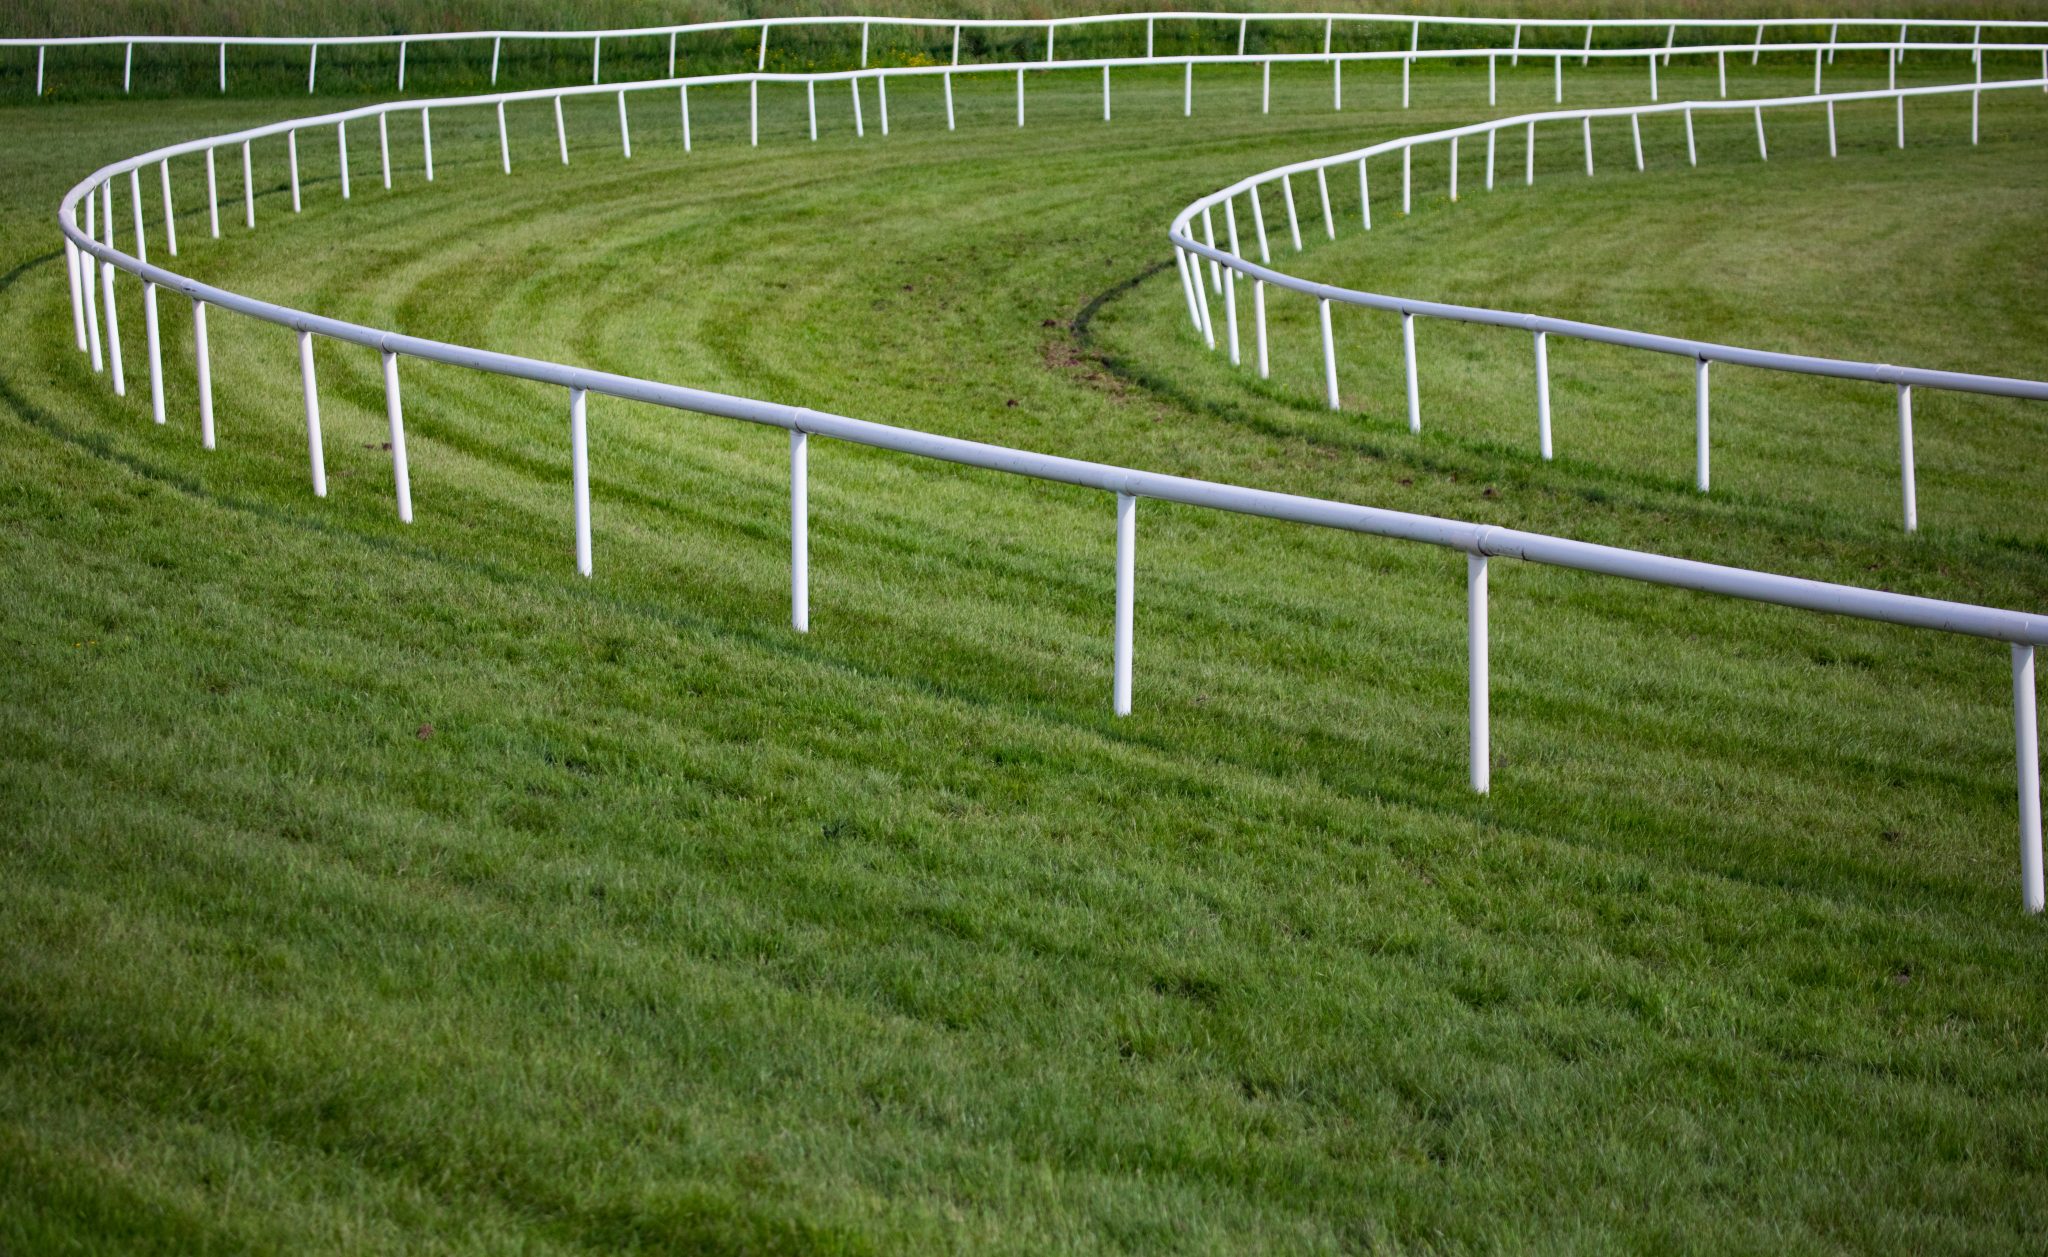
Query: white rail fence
x,y
1227,263
1370,24
94,262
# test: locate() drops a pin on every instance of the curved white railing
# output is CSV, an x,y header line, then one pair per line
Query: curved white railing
x,y
1227,263
1416,23
91,255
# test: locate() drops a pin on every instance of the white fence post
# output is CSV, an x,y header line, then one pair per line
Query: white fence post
x,y
625,130
135,203
684,95
1543,394
1692,152
341,151
249,191
800,530
1230,278
1635,130
394,411
202,361
1478,679
71,269
579,474
949,100
1259,318
596,52
1329,352
2027,747
1180,262
882,100
1408,360
498,45
1209,238
212,196
1906,488
860,126
89,279
114,368
170,214
1702,453
383,149
504,141
156,353
291,140
401,64
427,142
1364,195
561,133
1126,597
314,454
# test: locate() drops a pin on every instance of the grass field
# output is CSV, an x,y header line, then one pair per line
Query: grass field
x,y
370,886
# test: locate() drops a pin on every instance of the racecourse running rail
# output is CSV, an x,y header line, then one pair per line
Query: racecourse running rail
x,y
94,262
1370,23
1225,265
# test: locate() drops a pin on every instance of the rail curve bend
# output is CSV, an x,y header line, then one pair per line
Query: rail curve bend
x,y
94,262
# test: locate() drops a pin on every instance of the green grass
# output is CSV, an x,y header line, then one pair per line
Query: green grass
x,y
370,886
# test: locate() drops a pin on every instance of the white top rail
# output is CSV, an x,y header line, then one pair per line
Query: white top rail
x,y
1412,20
